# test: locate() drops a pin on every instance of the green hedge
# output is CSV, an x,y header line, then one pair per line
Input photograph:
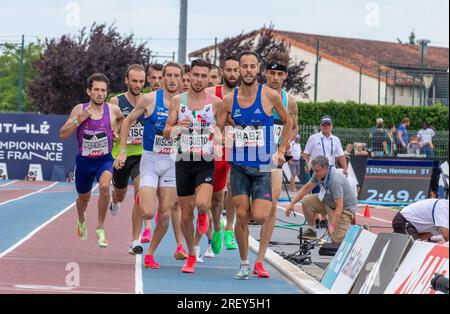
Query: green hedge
x,y
353,115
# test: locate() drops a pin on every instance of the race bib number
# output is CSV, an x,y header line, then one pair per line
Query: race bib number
x,y
136,134
278,129
196,144
249,137
95,145
164,146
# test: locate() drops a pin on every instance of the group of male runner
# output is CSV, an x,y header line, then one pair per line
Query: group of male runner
x,y
183,145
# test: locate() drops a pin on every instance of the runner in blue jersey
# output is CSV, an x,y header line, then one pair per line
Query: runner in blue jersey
x,y
157,172
250,109
96,124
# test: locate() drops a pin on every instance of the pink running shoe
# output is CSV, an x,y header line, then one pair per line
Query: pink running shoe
x,y
146,236
189,268
202,223
180,254
150,263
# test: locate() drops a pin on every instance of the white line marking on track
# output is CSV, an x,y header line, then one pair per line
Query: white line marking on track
x,y
37,287
32,233
139,285
361,215
9,183
30,194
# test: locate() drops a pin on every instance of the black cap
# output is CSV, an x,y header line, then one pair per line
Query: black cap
x,y
326,120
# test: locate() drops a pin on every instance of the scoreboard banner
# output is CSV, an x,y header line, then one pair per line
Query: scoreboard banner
x,y
397,180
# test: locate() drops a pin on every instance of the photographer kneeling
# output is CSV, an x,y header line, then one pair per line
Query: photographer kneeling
x,y
336,199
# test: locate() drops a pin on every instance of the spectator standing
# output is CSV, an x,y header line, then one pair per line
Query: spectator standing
x,y
294,163
403,136
379,139
426,140
391,142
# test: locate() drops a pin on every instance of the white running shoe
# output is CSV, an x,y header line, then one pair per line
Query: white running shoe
x,y
136,248
198,255
114,208
209,253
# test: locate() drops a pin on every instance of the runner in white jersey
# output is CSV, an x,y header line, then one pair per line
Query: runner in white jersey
x,y
157,187
192,119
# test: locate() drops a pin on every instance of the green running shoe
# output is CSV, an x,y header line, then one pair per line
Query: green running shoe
x,y
216,244
82,230
102,242
230,240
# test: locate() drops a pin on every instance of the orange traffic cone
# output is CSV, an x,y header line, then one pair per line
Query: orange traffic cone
x,y
367,212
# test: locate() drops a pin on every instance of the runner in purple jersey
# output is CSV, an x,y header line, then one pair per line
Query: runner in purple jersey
x,y
97,124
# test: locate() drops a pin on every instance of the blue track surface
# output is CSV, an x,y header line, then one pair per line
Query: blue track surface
x,y
214,276
19,218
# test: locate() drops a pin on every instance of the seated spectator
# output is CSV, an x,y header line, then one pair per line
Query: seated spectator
x,y
360,149
349,150
414,146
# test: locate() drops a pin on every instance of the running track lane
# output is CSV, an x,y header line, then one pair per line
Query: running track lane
x,y
39,264
214,276
12,190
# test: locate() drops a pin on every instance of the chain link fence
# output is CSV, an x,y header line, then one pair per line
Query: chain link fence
x,y
353,136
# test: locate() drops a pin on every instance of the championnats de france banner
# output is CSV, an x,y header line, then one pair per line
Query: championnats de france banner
x,y
33,139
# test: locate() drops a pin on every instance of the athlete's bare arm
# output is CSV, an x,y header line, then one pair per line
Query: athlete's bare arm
x,y
293,114
173,127
117,120
227,107
77,116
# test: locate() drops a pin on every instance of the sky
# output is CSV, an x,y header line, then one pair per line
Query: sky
x,y
157,21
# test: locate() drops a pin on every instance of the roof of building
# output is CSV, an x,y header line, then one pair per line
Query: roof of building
x,y
365,55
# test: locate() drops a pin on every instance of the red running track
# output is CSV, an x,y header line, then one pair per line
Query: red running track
x,y
19,189
39,264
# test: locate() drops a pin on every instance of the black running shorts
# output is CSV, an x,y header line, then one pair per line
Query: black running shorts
x,y
121,178
191,174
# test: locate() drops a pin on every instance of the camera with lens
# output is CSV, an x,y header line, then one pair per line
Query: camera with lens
x,y
440,283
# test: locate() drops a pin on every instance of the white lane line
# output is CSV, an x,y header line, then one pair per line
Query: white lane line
x,y
30,194
9,183
361,215
32,233
139,285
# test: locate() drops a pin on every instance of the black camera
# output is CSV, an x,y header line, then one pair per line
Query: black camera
x,y
440,283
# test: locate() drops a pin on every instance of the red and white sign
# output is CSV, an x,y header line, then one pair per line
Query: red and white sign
x,y
418,268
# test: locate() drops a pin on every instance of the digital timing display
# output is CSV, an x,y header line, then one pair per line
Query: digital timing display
x,y
397,181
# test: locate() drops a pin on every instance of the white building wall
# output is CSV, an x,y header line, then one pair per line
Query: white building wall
x,y
339,83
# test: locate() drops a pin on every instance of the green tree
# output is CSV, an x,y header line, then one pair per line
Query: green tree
x,y
9,74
